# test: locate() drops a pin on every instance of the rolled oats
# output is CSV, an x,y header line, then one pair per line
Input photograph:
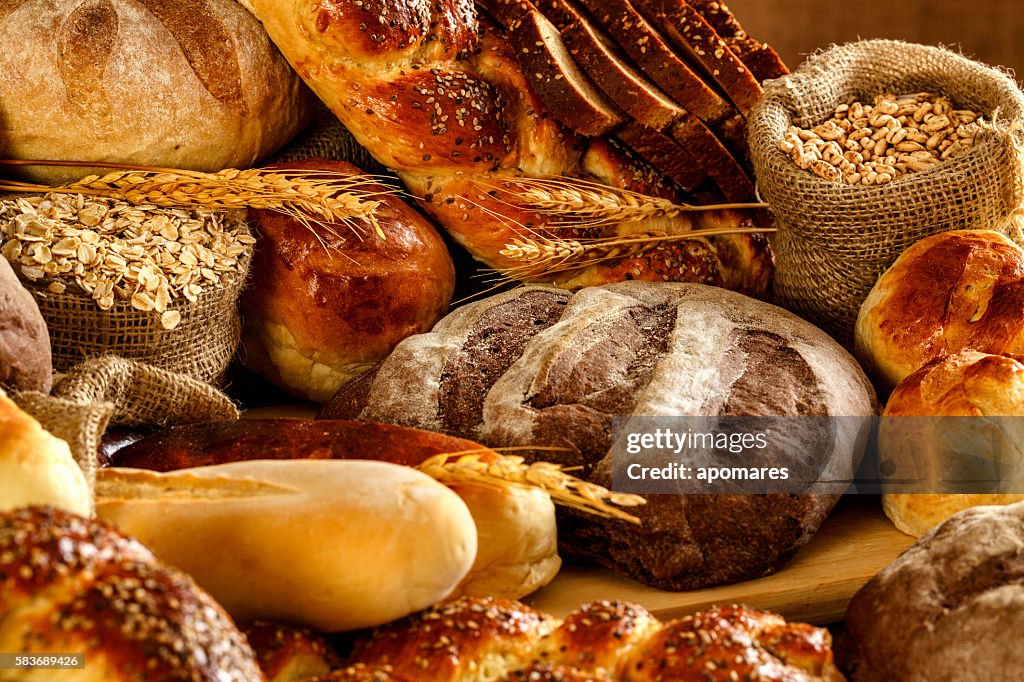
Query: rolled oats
x,y
111,250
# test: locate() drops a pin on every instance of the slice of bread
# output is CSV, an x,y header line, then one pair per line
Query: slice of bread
x,y
759,57
663,153
694,37
651,52
566,91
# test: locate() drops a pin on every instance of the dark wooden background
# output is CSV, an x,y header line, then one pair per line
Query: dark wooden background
x,y
989,30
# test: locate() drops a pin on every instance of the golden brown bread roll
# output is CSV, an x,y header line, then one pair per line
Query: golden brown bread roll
x,y
172,83
968,384
36,467
949,292
69,584
289,654
489,640
323,307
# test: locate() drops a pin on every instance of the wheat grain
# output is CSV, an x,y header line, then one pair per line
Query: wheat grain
x,y
490,469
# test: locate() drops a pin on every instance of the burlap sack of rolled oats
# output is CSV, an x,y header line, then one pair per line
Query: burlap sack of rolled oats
x,y
835,239
90,282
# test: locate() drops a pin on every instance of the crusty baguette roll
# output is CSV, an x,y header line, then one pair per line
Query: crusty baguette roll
x,y
946,293
323,306
332,545
36,468
172,83
967,384
517,547
72,585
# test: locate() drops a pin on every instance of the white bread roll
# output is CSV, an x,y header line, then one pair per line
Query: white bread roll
x,y
332,545
36,468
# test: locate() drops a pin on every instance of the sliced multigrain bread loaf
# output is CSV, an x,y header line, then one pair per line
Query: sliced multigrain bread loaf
x,y
565,90
759,57
690,33
651,52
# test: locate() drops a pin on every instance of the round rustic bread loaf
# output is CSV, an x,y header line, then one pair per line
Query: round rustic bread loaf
x,y
949,608
174,83
542,366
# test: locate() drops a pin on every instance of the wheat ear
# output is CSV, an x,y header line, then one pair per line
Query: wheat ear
x,y
575,203
538,256
314,197
490,469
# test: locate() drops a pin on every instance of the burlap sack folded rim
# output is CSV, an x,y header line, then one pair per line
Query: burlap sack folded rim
x,y
833,75
201,346
834,239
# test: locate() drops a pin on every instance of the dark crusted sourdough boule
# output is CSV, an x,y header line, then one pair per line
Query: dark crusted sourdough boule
x,y
951,607
540,366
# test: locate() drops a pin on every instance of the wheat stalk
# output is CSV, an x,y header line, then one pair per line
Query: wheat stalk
x,y
313,197
490,469
575,203
539,255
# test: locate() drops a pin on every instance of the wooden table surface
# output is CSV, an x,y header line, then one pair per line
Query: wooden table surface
x,y
815,586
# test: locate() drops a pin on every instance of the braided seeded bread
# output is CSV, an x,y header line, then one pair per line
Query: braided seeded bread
x,y
72,585
434,92
480,640
541,366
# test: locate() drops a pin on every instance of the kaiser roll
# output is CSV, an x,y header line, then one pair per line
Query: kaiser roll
x,y
949,292
174,83
324,306
966,384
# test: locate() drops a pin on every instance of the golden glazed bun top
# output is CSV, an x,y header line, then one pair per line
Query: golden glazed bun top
x,y
952,291
36,468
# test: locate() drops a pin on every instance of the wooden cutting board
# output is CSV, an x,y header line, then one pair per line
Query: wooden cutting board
x,y
815,586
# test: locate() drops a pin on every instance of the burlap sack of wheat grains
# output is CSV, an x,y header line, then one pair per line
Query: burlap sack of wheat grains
x,y
200,346
835,240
